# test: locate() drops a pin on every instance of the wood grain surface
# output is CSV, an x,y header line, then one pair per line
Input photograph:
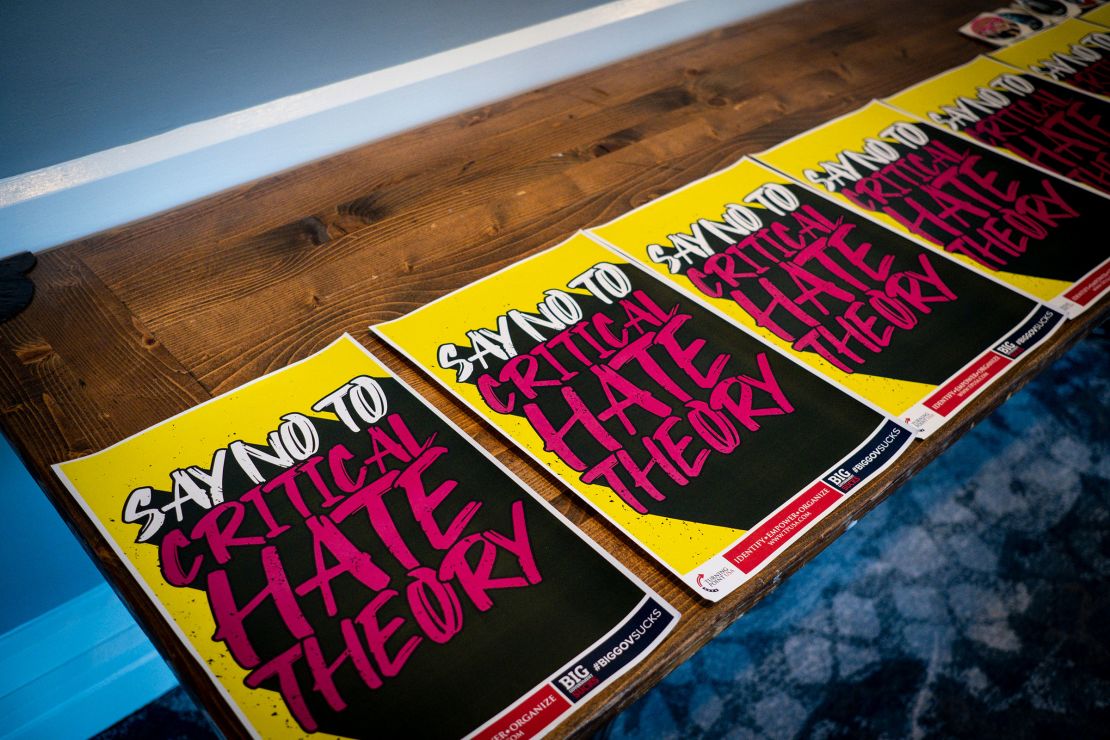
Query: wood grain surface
x,y
138,323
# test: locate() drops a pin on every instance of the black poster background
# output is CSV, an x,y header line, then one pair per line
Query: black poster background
x,y
769,467
444,690
953,334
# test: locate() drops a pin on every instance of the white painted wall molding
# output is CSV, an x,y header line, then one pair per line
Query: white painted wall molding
x,y
47,206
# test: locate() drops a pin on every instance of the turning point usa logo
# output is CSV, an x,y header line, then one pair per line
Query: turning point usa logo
x,y
707,583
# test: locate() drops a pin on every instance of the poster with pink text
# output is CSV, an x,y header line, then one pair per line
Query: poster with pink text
x,y
343,562
708,448
1028,228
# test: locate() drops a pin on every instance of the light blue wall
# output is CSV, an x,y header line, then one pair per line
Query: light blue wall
x,y
77,77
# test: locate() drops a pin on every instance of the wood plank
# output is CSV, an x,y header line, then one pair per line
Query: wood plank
x,y
138,323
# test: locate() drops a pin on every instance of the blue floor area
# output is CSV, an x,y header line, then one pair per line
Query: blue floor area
x,y
975,601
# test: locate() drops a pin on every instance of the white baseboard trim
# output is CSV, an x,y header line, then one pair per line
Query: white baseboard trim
x,y
77,669
223,128
66,201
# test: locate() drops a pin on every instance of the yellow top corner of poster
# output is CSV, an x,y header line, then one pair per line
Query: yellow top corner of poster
x,y
521,285
654,223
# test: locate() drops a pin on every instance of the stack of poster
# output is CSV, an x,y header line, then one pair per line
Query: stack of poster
x,y
1052,126
340,559
1075,53
907,329
708,448
1034,231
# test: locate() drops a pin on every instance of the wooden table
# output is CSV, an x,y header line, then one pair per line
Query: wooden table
x,y
136,324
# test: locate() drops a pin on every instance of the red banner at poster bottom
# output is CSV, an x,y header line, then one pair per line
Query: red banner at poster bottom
x,y
945,400
1090,287
763,541
528,717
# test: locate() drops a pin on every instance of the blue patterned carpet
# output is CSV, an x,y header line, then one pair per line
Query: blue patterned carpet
x,y
975,601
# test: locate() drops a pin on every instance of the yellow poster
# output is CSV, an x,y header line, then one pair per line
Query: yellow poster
x,y
885,317
1100,15
1034,231
707,447
1074,53
1055,127
338,557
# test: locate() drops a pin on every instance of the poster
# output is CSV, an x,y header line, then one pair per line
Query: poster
x,y
1028,228
892,321
1055,127
1075,53
708,448
342,560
